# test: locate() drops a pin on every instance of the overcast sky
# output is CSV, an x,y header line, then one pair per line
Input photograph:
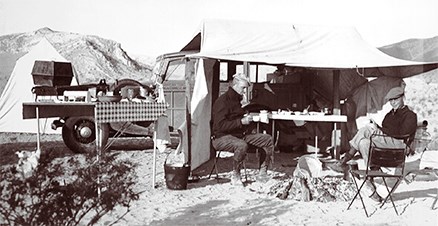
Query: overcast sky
x,y
153,27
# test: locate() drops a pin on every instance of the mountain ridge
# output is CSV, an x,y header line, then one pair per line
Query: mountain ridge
x,y
424,50
92,57
96,58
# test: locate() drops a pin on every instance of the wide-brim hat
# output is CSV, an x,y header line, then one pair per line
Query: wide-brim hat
x,y
394,93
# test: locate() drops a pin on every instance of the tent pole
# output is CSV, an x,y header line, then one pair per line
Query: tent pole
x,y
246,71
336,109
257,74
189,73
231,70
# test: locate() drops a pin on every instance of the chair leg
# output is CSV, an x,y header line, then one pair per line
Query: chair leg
x,y
244,170
358,193
214,168
390,194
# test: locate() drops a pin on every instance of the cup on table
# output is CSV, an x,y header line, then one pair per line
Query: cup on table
x,y
264,116
256,118
247,118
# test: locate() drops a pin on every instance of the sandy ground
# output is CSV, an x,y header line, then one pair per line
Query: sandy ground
x,y
216,202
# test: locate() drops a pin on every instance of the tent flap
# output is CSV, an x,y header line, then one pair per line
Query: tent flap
x,y
18,90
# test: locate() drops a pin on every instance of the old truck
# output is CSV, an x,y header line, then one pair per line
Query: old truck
x,y
52,81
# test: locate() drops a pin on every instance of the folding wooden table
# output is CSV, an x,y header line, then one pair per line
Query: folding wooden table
x,y
103,112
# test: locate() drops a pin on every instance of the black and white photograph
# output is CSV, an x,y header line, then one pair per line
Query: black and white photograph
x,y
232,112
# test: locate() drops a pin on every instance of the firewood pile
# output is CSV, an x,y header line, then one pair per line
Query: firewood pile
x,y
326,189
308,184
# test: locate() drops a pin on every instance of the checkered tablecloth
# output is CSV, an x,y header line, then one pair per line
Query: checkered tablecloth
x,y
128,111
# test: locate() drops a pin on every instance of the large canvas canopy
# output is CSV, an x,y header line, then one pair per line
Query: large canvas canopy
x,y
311,46
320,48
18,90
339,57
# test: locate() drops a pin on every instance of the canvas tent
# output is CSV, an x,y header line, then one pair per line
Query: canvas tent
x,y
338,56
295,45
322,48
18,90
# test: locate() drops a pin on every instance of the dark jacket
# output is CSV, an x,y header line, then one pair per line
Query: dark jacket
x,y
227,112
400,122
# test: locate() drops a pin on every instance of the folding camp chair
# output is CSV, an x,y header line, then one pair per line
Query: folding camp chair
x,y
215,168
381,157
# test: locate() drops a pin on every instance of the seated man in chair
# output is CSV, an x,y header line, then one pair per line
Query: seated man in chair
x,y
399,122
230,125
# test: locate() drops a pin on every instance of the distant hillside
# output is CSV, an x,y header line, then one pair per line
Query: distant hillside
x,y
93,58
414,49
425,50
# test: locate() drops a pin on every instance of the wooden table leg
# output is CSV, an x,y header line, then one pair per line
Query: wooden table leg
x,y
154,162
37,112
335,138
98,140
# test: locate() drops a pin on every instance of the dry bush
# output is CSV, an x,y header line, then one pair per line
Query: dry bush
x,y
50,197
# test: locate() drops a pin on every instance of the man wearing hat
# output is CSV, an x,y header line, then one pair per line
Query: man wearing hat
x,y
230,125
400,121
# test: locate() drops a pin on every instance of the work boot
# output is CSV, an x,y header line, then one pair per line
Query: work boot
x,y
374,195
236,179
341,166
263,176
263,172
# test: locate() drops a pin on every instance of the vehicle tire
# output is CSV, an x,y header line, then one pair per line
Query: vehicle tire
x,y
79,134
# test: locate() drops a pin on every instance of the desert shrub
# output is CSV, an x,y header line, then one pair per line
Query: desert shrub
x,y
66,193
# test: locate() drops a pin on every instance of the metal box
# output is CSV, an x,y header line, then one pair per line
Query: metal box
x,y
51,73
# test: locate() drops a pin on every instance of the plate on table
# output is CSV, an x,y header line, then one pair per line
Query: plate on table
x,y
316,113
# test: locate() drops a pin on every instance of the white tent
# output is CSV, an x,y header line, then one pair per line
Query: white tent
x,y
339,57
323,49
18,90
311,46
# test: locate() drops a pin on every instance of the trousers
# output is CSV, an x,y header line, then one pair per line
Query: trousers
x,y
361,141
239,146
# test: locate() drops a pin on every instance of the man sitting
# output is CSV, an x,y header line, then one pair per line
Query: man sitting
x,y
400,121
230,130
